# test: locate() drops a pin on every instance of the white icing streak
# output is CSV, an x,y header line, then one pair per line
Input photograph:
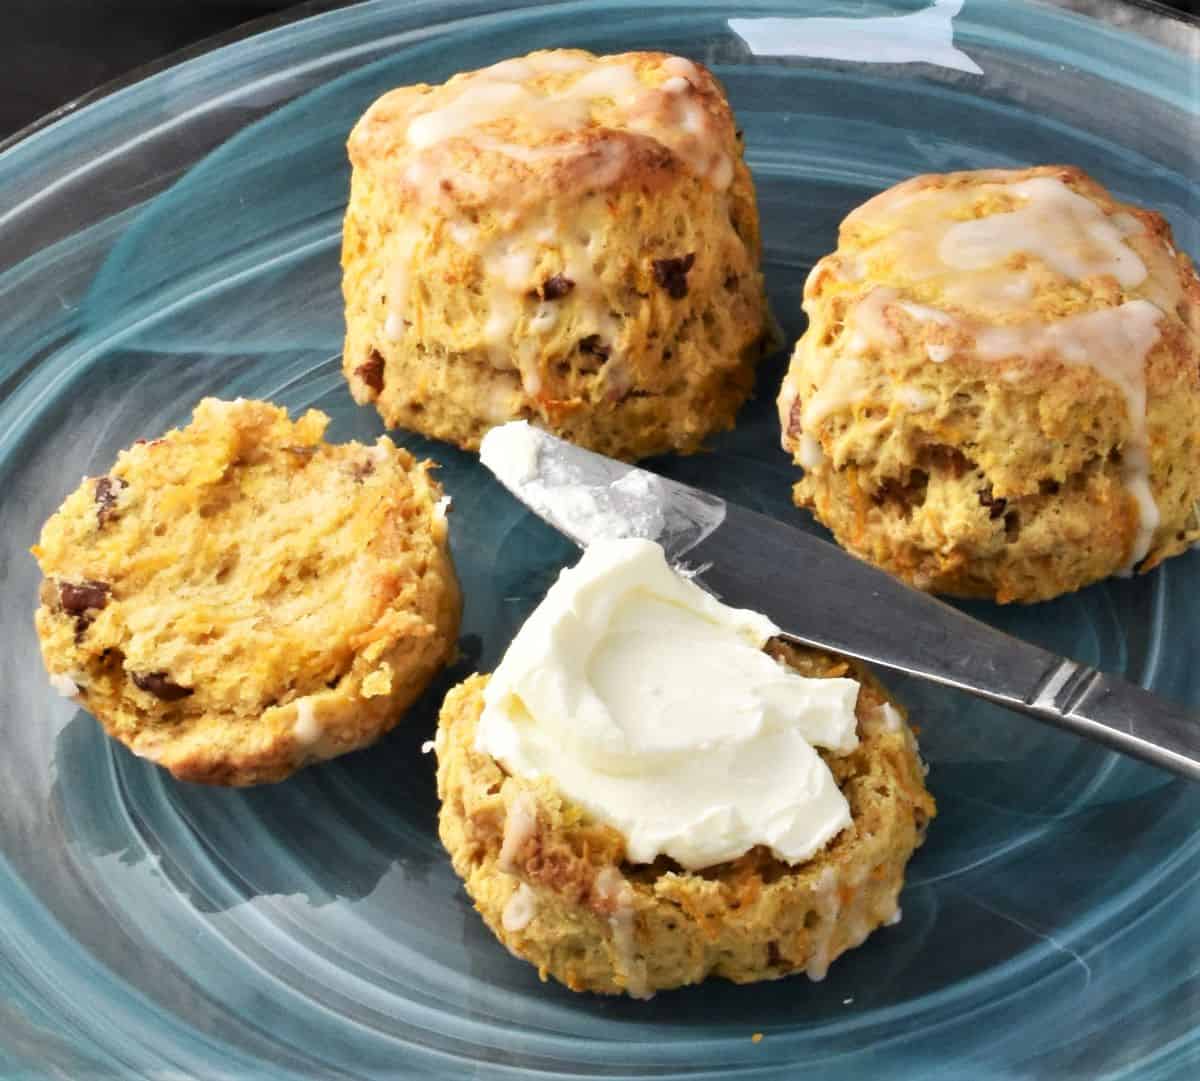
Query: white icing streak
x,y
869,323
922,313
612,889
1067,231
840,387
520,909
399,281
519,825
502,400
307,729
809,453
553,93
915,399
64,685
827,905
514,268
547,96
888,717
1114,342
846,915
923,232
841,380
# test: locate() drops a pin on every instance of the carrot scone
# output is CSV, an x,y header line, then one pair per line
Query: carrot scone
x,y
998,393
566,238
641,796
239,598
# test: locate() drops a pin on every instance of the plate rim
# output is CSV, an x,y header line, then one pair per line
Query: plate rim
x,y
309,9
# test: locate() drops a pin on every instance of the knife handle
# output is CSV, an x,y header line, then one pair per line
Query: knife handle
x,y
1115,712
824,599
1094,704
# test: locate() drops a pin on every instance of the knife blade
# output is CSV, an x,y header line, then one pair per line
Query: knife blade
x,y
823,597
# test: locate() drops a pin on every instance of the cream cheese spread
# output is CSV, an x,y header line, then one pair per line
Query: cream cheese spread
x,y
652,706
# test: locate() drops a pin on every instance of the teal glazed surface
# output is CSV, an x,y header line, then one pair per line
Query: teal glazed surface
x,y
180,238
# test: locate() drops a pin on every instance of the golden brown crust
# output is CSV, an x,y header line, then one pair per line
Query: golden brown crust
x,y
1010,481
475,173
558,893
593,279
258,598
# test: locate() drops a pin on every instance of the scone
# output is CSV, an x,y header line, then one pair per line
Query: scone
x,y
239,598
566,238
557,890
998,392
575,892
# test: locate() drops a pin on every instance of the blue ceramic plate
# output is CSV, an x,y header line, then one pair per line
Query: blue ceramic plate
x,y
180,238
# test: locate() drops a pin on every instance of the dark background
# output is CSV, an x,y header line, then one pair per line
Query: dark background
x,y
54,50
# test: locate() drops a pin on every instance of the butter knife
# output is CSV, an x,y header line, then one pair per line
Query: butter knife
x,y
825,598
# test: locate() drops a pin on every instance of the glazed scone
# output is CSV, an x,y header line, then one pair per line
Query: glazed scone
x,y
651,789
567,238
998,392
556,888
239,598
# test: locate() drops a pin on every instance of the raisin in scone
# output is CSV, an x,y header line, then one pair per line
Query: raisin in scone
x,y
239,598
998,393
627,857
566,238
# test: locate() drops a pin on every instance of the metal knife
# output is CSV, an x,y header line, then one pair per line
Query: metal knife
x,y
825,598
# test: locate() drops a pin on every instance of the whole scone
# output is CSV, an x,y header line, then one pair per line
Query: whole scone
x,y
567,238
998,393
557,890
239,598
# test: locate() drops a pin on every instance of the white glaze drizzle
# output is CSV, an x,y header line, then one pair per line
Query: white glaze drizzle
x,y
922,313
604,90
926,238
64,685
398,282
809,453
869,320
607,92
502,401
914,399
307,729
1114,342
1064,229
520,823
827,905
840,379
519,909
888,717
841,388
842,925
612,888
514,267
